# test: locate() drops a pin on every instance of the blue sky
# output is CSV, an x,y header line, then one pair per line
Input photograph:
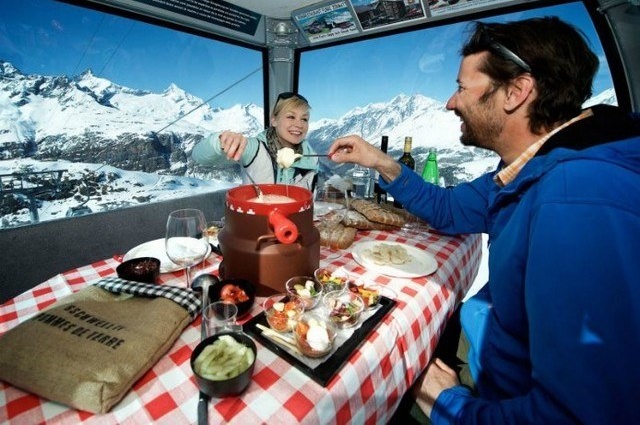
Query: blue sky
x,y
423,62
53,38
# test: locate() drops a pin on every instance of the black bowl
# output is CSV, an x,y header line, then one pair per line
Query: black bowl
x,y
143,269
229,387
217,290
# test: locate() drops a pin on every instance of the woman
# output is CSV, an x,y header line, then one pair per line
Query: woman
x,y
258,155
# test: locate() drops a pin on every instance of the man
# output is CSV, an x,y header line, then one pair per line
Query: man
x,y
554,333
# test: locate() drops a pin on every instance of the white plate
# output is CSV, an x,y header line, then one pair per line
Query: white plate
x,y
156,249
421,264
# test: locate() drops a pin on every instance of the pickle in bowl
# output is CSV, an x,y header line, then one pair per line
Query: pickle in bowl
x,y
223,364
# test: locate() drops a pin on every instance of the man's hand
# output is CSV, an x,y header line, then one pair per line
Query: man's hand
x,y
435,379
356,150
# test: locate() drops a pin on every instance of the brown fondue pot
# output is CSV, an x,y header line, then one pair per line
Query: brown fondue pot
x,y
268,243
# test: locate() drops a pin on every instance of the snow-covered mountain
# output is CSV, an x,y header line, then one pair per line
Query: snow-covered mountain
x,y
110,131
428,123
607,97
91,119
424,119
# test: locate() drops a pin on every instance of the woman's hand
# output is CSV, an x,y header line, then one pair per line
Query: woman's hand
x,y
233,144
356,150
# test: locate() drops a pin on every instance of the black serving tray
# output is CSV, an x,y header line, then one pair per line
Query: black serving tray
x,y
323,372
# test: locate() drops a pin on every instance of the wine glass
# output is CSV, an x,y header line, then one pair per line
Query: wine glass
x,y
413,226
186,241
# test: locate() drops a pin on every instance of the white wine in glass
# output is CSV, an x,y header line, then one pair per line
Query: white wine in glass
x,y
186,241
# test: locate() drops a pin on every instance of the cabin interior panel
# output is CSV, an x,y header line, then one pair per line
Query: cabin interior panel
x,y
35,253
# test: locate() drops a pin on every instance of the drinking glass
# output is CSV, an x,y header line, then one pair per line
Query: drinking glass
x,y
330,208
220,316
213,229
361,177
186,241
413,227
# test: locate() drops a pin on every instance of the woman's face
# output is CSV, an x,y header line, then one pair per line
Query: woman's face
x,y
292,125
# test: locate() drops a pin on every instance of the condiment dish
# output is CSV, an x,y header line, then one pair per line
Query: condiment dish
x,y
240,292
142,269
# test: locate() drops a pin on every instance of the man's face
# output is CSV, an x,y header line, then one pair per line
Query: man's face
x,y
475,102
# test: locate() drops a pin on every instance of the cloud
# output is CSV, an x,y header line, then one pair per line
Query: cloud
x,y
57,25
430,63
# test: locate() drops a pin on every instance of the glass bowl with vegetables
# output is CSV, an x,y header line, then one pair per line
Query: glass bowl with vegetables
x,y
283,311
306,288
314,335
370,292
332,278
343,308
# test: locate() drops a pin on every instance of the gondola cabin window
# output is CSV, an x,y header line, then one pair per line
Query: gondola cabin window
x,y
397,86
100,111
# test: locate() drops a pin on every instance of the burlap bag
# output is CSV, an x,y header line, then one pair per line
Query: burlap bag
x,y
88,349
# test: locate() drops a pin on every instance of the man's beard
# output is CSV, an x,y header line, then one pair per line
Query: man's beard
x,y
482,126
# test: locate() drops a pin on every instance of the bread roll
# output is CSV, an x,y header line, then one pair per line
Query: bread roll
x,y
336,235
376,213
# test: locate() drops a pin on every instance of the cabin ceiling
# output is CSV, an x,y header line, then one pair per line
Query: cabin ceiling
x,y
280,9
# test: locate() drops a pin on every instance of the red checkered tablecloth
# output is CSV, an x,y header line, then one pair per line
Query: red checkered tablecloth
x,y
367,389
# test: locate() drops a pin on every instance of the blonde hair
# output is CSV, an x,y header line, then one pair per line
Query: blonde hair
x,y
292,102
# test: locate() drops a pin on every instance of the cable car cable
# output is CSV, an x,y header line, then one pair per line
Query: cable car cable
x,y
208,100
116,49
93,36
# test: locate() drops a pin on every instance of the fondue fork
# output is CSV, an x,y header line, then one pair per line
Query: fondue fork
x,y
324,155
255,186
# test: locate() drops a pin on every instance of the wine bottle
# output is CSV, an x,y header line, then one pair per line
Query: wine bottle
x,y
407,160
430,172
381,195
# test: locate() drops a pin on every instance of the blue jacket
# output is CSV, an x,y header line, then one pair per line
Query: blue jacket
x,y
558,326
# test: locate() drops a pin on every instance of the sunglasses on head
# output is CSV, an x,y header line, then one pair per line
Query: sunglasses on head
x,y
289,95
502,51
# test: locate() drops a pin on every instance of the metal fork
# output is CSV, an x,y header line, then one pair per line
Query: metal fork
x,y
255,186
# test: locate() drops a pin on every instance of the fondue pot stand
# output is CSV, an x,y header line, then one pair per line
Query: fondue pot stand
x,y
268,243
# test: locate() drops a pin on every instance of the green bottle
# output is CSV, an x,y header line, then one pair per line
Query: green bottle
x,y
430,172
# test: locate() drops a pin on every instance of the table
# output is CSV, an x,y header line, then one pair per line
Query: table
x,y
367,389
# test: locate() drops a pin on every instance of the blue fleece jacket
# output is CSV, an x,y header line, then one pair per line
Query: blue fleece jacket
x,y
557,328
